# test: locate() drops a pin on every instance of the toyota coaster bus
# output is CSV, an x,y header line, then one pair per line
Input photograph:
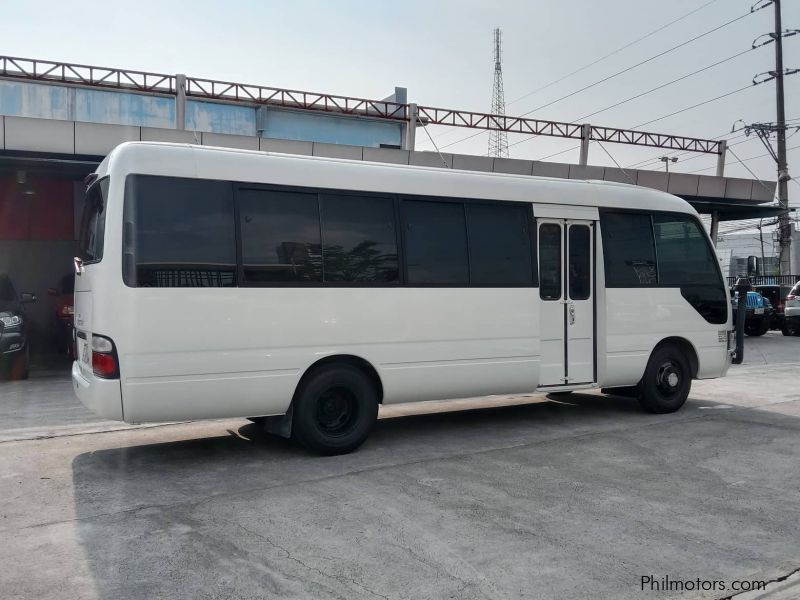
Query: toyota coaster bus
x,y
304,292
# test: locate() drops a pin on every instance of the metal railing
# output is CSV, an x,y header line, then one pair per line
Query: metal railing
x,y
196,87
768,279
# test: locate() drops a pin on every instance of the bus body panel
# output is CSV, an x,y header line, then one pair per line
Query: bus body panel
x,y
192,356
637,319
217,352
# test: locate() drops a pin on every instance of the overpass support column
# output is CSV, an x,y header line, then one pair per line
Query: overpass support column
x,y
723,151
180,101
410,133
714,227
586,136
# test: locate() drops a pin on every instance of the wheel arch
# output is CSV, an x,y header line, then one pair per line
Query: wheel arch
x,y
349,359
686,347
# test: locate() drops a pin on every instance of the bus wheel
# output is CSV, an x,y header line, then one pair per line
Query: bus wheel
x,y
334,410
666,382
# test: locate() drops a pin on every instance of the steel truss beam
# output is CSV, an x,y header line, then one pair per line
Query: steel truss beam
x,y
46,70
141,81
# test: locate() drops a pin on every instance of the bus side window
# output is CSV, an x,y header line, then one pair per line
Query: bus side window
x,y
628,249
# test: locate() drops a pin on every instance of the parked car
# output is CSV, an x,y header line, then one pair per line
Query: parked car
x,y
792,311
757,315
63,310
776,294
14,351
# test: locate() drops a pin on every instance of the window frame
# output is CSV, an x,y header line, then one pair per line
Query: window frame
x,y
84,226
651,213
528,208
400,234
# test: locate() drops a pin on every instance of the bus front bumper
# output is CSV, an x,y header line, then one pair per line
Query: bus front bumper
x,y
102,396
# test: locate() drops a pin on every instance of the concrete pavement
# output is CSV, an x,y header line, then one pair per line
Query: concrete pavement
x,y
516,498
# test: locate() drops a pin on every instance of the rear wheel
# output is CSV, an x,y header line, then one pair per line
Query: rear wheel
x,y
334,410
756,329
666,381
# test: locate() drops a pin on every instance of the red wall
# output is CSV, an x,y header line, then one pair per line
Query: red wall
x,y
45,215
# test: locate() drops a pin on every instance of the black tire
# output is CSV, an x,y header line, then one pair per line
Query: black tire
x,y
666,381
786,330
334,410
757,329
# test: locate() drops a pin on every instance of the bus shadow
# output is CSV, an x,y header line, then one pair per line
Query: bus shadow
x,y
140,508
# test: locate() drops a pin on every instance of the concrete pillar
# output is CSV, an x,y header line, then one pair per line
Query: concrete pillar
x,y
714,227
586,136
410,132
723,151
180,101
261,120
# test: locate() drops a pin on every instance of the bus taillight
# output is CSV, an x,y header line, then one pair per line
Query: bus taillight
x,y
104,358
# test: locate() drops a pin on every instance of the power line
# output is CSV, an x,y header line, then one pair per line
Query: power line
x,y
610,54
624,172
609,77
743,160
677,112
598,60
639,64
663,85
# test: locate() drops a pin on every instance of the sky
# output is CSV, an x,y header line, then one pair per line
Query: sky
x,y
441,50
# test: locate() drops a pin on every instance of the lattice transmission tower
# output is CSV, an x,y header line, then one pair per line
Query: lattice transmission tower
x,y
498,140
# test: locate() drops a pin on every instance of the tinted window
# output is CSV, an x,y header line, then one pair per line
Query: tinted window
x,y
280,236
628,250
684,255
686,259
499,244
436,242
93,222
580,271
359,239
183,233
550,261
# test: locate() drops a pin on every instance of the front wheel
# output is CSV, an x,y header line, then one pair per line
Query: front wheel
x,y
334,410
666,381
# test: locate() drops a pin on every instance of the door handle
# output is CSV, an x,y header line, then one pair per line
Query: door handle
x,y
571,311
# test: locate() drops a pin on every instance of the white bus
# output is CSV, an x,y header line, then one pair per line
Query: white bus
x,y
305,292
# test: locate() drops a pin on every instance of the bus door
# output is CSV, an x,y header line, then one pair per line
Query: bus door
x,y
567,303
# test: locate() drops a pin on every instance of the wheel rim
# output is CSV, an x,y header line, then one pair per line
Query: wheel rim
x,y
668,378
337,411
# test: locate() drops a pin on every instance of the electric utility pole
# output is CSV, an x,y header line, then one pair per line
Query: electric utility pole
x,y
784,226
765,130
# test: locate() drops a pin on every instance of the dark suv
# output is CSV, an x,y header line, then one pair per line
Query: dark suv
x,y
776,294
14,352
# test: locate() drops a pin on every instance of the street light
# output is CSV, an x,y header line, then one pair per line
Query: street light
x,y
668,159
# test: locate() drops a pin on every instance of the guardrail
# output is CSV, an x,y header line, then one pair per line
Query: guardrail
x,y
767,279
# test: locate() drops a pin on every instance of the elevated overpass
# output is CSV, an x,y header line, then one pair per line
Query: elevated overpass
x,y
58,120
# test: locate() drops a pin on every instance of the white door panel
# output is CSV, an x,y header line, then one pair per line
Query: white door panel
x,y
566,288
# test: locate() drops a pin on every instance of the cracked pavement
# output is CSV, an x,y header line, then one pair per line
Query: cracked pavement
x,y
520,497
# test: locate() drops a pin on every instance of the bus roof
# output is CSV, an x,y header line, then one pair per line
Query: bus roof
x,y
252,166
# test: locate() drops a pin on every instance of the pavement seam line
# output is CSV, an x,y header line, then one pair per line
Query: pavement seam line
x,y
766,583
353,472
